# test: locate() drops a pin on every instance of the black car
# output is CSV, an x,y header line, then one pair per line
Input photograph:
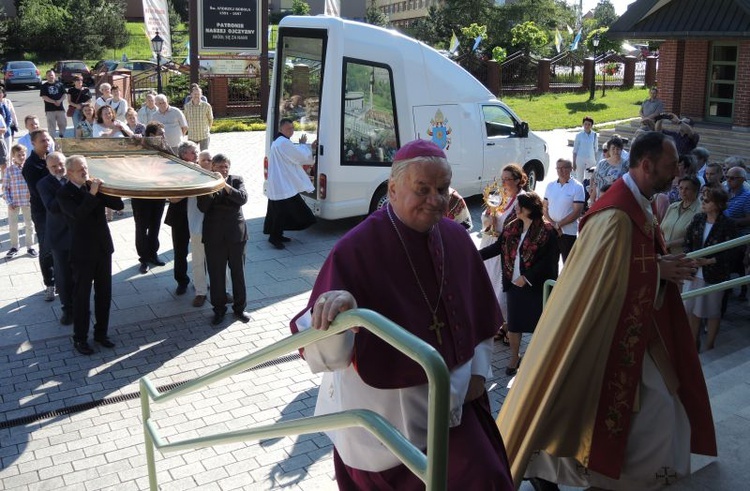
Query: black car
x,y
66,69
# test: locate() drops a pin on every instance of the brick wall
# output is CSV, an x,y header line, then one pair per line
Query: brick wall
x,y
742,89
682,79
694,79
667,78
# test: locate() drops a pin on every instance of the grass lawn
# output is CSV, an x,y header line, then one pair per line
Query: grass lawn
x,y
550,111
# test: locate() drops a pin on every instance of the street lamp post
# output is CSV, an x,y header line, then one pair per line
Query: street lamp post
x,y
595,42
156,45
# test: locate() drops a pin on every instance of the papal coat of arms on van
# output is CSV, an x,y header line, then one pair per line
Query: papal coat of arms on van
x,y
440,131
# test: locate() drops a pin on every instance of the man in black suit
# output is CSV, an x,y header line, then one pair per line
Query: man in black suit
x,y
57,234
91,251
177,218
34,169
224,237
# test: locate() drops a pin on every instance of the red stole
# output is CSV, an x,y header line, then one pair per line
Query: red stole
x,y
640,322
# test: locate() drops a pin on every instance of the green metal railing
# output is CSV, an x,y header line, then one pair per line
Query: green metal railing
x,y
706,251
724,285
431,468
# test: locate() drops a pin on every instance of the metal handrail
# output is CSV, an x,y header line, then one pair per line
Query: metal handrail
x,y
431,468
706,251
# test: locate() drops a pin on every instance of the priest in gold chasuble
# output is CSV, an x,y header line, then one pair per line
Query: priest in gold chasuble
x,y
611,393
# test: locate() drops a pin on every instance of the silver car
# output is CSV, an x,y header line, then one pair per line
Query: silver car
x,y
21,73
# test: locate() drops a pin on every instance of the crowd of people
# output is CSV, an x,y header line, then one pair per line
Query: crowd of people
x,y
615,318
36,175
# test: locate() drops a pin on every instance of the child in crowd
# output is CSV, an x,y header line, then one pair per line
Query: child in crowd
x,y
16,194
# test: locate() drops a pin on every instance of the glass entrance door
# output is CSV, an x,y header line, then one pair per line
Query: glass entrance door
x,y
722,79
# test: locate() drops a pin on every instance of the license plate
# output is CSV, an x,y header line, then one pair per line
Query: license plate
x,y
24,74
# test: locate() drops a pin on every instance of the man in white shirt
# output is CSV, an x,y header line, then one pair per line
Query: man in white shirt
x,y
585,148
563,206
286,179
175,124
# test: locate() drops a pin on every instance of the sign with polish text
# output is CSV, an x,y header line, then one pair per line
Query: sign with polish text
x,y
230,26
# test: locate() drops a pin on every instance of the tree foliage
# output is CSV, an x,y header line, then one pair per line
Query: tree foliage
x,y
375,16
604,13
300,7
529,37
69,28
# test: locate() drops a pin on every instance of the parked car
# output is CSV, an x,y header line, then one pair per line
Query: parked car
x,y
21,73
66,69
136,67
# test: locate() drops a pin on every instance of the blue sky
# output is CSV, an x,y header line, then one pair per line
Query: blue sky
x,y
620,5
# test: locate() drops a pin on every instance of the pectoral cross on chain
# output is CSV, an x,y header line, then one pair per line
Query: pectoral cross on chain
x,y
643,258
436,326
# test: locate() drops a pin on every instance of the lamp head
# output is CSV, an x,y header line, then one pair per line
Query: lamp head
x,y
157,43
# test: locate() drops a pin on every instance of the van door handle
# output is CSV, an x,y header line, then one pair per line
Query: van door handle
x,y
490,144
320,149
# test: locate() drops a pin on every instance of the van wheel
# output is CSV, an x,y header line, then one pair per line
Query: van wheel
x,y
379,199
533,174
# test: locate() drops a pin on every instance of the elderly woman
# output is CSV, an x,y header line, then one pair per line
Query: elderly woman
x,y
102,100
514,182
680,214
611,168
131,116
107,126
708,228
434,285
530,255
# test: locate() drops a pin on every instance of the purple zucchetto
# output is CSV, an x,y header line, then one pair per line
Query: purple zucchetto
x,y
419,148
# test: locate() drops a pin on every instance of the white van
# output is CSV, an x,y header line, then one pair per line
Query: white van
x,y
363,91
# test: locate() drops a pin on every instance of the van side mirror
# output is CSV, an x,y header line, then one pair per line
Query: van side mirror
x,y
523,129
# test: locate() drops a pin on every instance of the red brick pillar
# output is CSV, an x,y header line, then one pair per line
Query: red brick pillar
x,y
493,76
542,77
218,89
628,75
650,71
742,89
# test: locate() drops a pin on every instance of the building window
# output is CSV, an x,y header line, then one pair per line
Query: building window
x,y
722,79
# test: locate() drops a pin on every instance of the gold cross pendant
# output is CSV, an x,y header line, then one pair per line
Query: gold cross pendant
x,y
436,326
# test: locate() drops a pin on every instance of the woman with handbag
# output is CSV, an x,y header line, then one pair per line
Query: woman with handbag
x,y
78,95
513,182
709,228
530,255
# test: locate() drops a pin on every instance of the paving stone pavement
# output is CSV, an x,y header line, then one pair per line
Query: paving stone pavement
x,y
161,335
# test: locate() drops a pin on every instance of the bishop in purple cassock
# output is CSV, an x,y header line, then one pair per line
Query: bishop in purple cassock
x,y
422,271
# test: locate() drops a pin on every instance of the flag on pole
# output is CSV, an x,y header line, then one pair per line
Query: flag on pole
x,y
558,39
570,29
454,43
333,8
477,40
574,45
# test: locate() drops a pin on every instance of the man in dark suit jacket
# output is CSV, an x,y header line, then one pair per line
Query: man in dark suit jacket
x,y
34,169
224,237
91,251
58,233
